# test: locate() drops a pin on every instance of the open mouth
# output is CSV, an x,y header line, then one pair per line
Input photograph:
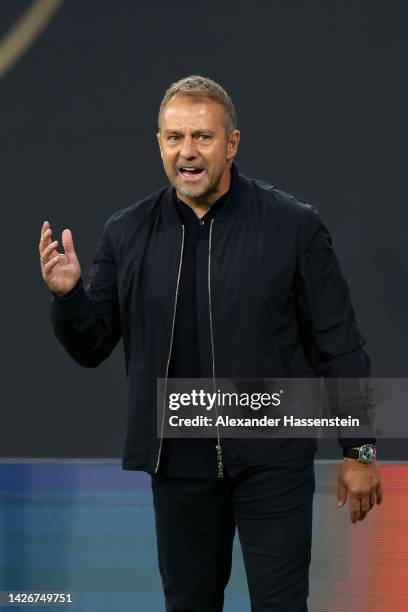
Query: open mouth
x,y
190,172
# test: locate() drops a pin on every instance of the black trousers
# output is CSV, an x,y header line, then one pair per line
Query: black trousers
x,y
271,506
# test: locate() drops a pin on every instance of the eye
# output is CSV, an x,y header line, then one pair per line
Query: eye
x,y
173,137
204,137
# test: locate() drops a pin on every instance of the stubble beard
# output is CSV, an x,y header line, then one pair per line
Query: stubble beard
x,y
194,192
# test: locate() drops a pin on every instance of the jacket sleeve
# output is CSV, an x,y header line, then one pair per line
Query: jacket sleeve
x,y
86,320
331,338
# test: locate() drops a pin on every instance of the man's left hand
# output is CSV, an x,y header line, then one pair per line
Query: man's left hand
x,y
362,483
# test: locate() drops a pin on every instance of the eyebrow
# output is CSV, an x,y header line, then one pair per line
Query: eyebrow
x,y
203,131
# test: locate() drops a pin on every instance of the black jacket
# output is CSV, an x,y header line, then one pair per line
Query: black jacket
x,y
279,305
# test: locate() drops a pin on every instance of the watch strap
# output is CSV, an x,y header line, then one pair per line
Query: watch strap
x,y
352,453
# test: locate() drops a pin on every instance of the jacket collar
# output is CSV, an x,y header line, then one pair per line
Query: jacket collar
x,y
235,206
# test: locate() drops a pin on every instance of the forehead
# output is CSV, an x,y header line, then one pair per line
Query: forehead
x,y
184,110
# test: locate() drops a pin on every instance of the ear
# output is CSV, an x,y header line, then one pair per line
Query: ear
x,y
233,143
159,141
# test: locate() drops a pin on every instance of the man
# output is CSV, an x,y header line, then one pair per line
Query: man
x,y
217,275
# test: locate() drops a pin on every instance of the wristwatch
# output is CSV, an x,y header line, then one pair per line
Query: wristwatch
x,y
365,453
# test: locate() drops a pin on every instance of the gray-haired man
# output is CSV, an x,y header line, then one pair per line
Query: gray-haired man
x,y
218,275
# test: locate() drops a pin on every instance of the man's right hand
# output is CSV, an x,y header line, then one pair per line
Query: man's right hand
x,y
61,272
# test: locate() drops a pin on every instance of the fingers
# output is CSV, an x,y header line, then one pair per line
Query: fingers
x,y
379,493
365,503
355,509
361,506
45,236
48,266
364,507
68,243
49,252
372,498
341,493
47,247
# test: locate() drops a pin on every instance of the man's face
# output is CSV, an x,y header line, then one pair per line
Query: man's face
x,y
195,148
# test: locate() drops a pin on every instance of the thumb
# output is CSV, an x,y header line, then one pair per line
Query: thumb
x,y
68,243
341,494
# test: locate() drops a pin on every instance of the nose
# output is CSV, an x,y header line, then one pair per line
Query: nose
x,y
188,148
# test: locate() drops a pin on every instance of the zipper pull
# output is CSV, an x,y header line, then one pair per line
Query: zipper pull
x,y
219,461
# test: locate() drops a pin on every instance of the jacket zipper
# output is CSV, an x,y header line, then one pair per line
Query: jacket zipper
x,y
218,446
171,346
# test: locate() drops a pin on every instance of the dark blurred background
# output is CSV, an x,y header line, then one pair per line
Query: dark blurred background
x,y
321,94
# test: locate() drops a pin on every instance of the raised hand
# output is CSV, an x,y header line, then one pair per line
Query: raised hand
x,y
60,271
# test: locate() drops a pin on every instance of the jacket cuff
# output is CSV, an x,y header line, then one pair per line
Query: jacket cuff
x,y
71,305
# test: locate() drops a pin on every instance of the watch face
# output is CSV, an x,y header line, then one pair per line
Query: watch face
x,y
367,453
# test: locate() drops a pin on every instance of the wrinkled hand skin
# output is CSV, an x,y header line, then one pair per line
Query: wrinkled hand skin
x,y
361,483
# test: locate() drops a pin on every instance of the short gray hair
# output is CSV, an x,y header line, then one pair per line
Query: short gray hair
x,y
202,87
